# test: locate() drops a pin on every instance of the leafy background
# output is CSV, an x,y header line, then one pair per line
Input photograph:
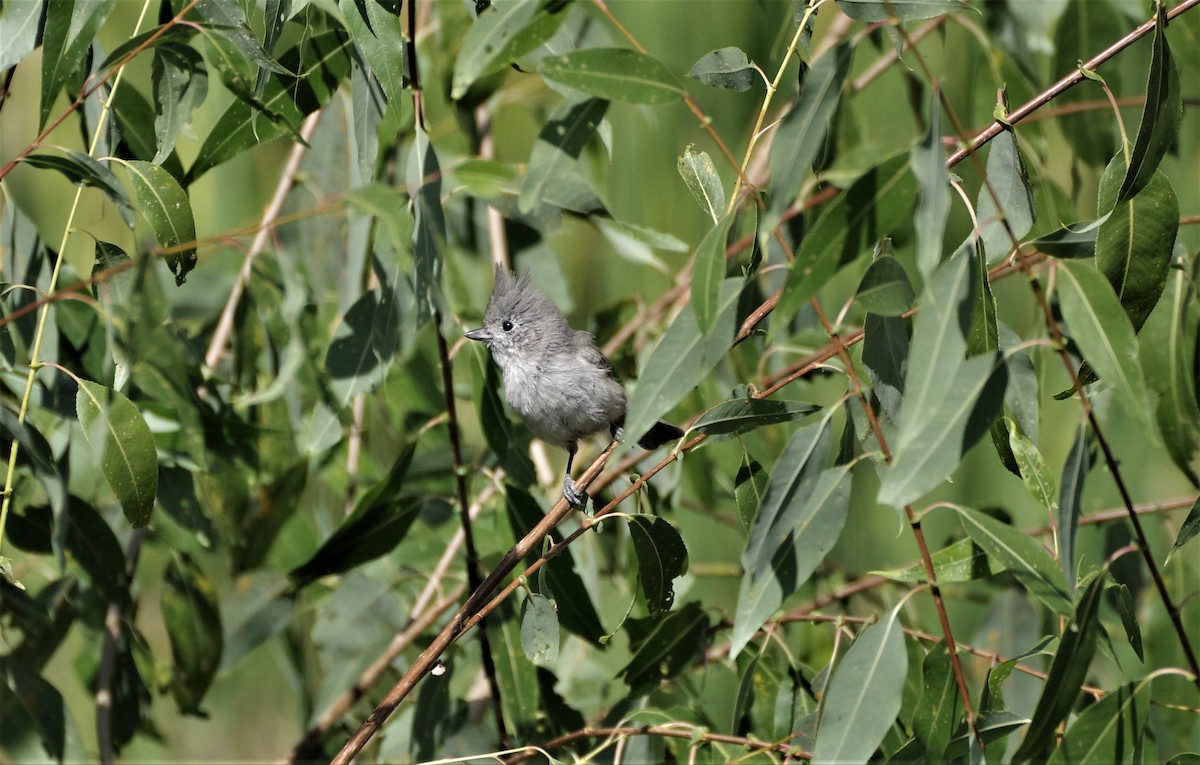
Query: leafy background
x,y
241,241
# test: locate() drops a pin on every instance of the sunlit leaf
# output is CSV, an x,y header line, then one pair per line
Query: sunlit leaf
x,y
1160,117
1020,555
745,414
539,629
727,68
962,561
80,168
71,26
128,458
504,32
559,144
902,10
1007,177
163,204
379,36
928,162
616,74
708,276
700,174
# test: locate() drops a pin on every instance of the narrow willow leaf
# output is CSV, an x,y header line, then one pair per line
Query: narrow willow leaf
x,y
1190,527
683,358
875,206
661,557
539,629
933,442
36,449
559,144
1084,28
43,704
1129,618
700,175
1008,178
163,204
616,74
1074,240
727,68
193,619
1105,336
1111,730
885,354
745,414
1169,370
1035,473
1067,674
864,695
67,37
381,518
1073,474
504,32
113,427
901,10
749,488
884,289
937,716
515,675
1133,246
378,35
1160,116
573,603
18,32
743,701
431,720
928,162
962,561
429,239
670,648
180,83
1020,555
80,168
801,133
708,275
229,20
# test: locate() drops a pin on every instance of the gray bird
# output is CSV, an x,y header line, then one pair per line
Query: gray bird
x,y
554,376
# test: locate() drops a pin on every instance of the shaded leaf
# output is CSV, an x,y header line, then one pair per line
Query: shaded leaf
x,y
559,144
616,74
700,175
1169,370
745,414
43,704
378,35
727,68
503,33
1020,555
380,520
937,716
1035,473
71,26
661,556
163,204
180,85
37,451
1190,527
928,162
80,168
1105,335
1128,614
1069,509
193,620
115,429
902,10
801,133
669,648
749,488
885,354
429,238
708,277
884,289
363,345
1007,176
864,695
1111,730
1160,116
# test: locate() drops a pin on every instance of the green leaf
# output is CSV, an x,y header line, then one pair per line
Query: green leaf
x,y
573,603
1008,178
1067,674
875,206
1084,28
616,74
1021,555
800,520
504,32
1133,245
180,85
1160,116
1190,527
661,556
742,415
1123,600
539,629
229,20
163,204
698,172
864,695
901,10
380,520
43,705
928,162
1035,473
36,450
378,35
885,354
71,26
80,168
1105,336
749,489
429,239
884,289
963,561
193,620
1111,730
670,648
363,345
113,426
708,276
1069,508
1169,370
18,32
727,68
559,144
801,133
1074,240
681,360
937,716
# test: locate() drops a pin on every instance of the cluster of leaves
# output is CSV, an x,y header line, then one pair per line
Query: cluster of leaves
x,y
264,457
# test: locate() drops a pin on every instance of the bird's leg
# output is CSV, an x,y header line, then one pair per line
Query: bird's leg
x,y
574,496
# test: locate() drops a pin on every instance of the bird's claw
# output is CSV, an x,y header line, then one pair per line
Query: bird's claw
x,y
574,496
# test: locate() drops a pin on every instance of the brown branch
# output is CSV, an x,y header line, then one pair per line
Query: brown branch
x,y
114,624
676,730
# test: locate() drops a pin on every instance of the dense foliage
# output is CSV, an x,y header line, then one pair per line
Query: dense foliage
x,y
918,277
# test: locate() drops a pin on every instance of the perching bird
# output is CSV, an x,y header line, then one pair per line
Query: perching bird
x,y
554,376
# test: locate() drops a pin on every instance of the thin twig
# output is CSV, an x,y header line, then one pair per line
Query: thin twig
x,y
114,623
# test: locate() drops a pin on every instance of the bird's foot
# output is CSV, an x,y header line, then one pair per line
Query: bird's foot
x,y
576,497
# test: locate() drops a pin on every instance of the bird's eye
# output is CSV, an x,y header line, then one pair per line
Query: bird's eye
x,y
507,326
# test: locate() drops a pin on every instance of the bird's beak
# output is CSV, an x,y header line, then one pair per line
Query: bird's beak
x,y
479,334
